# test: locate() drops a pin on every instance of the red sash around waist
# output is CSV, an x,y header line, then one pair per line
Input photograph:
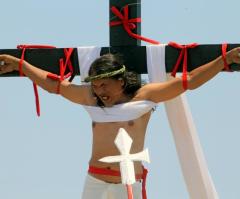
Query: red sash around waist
x,y
109,172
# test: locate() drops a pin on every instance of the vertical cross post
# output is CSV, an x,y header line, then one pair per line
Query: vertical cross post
x,y
118,36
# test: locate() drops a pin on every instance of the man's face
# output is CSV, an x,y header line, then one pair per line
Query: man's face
x,y
109,90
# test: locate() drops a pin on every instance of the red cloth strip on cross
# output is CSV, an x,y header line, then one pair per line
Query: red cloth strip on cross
x,y
24,47
128,24
183,57
224,54
63,67
129,191
109,172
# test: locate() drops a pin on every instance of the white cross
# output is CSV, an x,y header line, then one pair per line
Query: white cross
x,y
124,142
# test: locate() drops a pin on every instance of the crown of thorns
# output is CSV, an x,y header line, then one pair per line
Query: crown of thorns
x,y
105,75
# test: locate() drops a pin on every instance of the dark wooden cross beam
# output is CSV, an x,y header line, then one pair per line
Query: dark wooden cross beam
x,y
133,53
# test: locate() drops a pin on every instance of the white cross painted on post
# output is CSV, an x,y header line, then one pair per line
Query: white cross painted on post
x,y
124,142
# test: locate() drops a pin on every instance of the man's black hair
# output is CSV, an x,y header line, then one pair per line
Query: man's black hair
x,y
112,62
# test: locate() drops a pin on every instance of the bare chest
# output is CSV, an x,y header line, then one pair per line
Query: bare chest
x,y
135,128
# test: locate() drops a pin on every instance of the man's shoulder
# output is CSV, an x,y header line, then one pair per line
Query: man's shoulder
x,y
141,93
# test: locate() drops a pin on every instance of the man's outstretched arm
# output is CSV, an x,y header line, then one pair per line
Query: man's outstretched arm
x,y
74,93
158,92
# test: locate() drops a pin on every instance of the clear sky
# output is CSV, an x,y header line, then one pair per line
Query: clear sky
x,y
47,157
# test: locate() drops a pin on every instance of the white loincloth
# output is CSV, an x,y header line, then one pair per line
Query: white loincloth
x,y
98,189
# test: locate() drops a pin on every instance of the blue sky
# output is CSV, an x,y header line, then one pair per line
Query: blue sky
x,y
47,157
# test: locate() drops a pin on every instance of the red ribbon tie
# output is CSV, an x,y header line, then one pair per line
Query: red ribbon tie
x,y
24,47
224,54
183,57
128,24
63,67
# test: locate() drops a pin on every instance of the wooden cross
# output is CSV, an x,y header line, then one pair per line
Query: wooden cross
x,y
134,54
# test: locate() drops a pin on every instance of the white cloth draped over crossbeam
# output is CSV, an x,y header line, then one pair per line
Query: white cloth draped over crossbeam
x,y
86,55
192,161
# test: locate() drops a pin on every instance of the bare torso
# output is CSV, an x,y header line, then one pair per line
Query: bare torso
x,y
103,145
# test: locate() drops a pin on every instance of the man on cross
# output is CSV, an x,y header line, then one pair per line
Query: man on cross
x,y
116,99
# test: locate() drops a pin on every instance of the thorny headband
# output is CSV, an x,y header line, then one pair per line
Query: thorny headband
x,y
105,75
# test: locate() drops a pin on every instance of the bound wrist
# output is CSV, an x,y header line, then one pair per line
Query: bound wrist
x,y
226,57
229,59
16,64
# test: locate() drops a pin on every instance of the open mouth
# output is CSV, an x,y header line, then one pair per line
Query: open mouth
x,y
105,98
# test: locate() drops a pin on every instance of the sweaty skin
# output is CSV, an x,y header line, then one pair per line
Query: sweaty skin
x,y
110,91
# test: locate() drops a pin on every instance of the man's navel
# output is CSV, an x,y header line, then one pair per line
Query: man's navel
x,y
130,123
